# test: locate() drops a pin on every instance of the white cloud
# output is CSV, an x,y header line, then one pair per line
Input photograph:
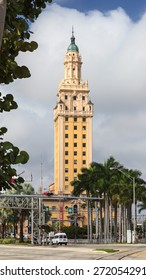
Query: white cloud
x,y
114,62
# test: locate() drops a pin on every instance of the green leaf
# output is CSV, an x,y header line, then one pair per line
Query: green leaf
x,y
3,130
7,145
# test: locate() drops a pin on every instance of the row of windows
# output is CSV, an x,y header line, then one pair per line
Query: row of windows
x,y
74,97
75,136
75,161
75,153
75,119
75,127
66,179
67,170
66,186
75,145
75,108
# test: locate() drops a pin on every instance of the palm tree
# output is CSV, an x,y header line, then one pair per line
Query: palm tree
x,y
104,180
25,189
85,184
125,195
96,181
5,215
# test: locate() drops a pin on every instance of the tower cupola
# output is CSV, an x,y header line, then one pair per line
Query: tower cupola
x,y
73,46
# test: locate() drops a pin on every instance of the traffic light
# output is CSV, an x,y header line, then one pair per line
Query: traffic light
x,y
48,193
69,210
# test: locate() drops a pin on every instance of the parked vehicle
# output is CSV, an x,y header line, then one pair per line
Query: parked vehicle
x,y
59,238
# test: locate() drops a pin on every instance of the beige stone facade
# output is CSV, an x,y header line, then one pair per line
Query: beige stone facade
x,y
72,135
72,123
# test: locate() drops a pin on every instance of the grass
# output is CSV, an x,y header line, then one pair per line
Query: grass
x,y
107,250
13,241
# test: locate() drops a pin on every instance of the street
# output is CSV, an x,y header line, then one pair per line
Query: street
x,y
73,252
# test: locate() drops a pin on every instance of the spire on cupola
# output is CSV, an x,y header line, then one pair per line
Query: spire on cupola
x,y
72,37
73,46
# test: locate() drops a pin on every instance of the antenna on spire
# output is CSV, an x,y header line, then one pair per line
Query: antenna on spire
x,y
72,37
72,31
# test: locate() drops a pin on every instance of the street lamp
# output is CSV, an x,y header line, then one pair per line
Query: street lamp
x,y
133,183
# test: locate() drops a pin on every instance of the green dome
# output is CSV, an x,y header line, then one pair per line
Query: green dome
x,y
73,47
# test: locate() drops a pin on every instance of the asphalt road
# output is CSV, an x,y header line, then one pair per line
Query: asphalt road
x,y
73,252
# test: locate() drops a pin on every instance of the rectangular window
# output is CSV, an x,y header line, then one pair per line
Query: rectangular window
x,y
83,97
66,135
74,97
66,153
84,127
66,179
66,108
84,161
75,127
84,119
54,208
66,119
75,153
75,135
84,145
66,97
66,170
75,108
66,161
84,136
83,109
75,119
84,153
66,187
75,178
75,161
66,127
75,144
75,170
66,144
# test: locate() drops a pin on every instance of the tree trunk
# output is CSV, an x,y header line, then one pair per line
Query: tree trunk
x,y
129,217
3,229
120,223
106,220
21,226
115,223
100,222
3,4
125,225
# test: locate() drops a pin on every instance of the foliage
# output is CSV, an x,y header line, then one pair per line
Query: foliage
x,y
114,184
21,213
16,38
75,232
5,215
7,241
109,178
7,103
13,241
10,155
19,16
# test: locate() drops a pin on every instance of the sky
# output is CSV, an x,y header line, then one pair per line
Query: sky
x,y
111,38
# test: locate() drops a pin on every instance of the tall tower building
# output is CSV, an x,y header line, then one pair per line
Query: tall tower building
x,y
72,123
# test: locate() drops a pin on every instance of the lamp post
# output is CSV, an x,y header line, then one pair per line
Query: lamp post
x,y
134,209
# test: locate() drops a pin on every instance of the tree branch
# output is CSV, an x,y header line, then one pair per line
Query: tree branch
x,y
3,4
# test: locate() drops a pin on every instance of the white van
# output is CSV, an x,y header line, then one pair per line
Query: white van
x,y
59,238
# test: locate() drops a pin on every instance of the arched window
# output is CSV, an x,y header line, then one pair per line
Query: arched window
x,y
75,209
